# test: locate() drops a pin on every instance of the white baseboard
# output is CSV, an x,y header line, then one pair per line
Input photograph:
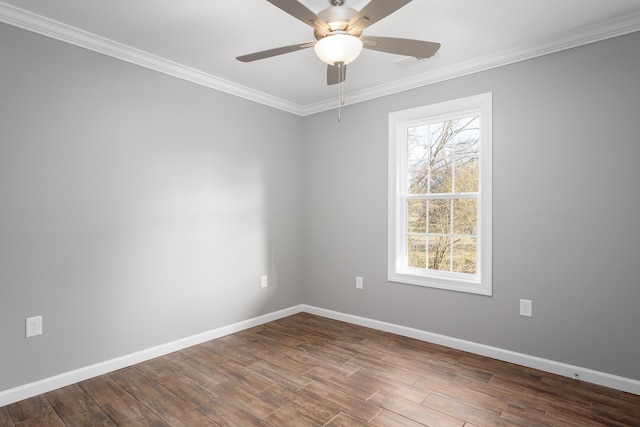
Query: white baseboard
x,y
52,383
595,377
48,384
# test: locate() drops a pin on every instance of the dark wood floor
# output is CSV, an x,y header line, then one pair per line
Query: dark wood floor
x,y
306,370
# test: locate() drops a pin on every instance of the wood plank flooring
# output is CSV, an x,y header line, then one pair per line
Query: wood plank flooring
x,y
306,370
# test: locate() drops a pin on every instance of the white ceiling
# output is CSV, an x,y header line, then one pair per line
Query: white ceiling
x,y
199,40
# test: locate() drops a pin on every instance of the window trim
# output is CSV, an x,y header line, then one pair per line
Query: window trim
x,y
399,121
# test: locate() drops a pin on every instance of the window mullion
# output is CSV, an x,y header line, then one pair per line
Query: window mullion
x,y
451,234
442,196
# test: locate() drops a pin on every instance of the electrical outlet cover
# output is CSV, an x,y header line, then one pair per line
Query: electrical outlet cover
x,y
526,308
33,326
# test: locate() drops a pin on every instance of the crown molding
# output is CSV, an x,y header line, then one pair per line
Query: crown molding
x,y
39,24
599,32
48,27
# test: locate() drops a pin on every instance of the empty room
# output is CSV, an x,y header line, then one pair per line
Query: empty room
x,y
424,213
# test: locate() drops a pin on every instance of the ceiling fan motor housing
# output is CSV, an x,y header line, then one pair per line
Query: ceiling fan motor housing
x,y
337,17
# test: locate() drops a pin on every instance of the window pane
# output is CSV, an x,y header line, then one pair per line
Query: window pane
x,y
440,136
467,150
416,251
464,216
417,216
439,248
466,180
464,255
439,216
417,159
467,138
441,173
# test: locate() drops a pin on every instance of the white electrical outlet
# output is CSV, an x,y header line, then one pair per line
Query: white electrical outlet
x,y
264,281
34,326
359,282
526,307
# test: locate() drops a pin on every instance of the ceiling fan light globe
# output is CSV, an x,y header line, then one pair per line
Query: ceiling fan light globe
x,y
337,48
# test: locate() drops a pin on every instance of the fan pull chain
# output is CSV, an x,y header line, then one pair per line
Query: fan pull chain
x,y
340,91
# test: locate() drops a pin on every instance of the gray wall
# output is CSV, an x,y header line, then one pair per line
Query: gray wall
x,y
135,208
565,211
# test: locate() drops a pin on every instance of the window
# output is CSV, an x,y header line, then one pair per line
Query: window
x,y
440,195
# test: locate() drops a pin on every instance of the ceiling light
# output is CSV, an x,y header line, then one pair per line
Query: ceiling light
x,y
338,48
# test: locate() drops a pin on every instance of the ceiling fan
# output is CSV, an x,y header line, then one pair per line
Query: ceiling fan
x,y
338,31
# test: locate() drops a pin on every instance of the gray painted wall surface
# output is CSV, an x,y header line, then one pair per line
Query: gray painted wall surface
x,y
135,208
565,211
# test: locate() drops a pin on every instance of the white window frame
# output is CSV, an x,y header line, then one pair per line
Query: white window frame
x,y
399,123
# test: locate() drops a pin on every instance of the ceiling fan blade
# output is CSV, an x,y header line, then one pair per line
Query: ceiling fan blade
x,y
336,74
408,47
374,11
274,52
302,13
